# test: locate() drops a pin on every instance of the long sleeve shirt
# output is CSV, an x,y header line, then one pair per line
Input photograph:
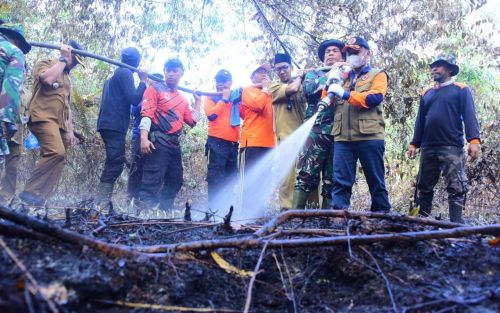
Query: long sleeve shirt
x,y
442,116
11,80
135,111
289,110
258,119
167,110
118,94
218,113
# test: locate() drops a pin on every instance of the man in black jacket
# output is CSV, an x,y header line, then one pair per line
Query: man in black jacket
x,y
118,94
444,112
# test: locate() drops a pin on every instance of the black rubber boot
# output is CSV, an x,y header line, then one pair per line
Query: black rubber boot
x,y
456,213
299,199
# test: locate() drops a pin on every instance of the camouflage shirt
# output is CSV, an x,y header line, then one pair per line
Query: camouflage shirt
x,y
313,85
11,80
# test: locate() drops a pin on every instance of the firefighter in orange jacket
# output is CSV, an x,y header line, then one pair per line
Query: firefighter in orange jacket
x,y
221,148
257,131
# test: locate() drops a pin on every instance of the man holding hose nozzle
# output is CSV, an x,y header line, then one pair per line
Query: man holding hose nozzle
x,y
316,156
359,128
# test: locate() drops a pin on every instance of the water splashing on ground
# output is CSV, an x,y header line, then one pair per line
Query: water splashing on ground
x,y
263,178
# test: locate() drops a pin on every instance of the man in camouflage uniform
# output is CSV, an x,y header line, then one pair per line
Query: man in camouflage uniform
x,y
317,155
13,46
444,112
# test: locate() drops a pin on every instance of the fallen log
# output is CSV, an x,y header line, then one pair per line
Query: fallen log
x,y
251,242
271,226
10,229
65,235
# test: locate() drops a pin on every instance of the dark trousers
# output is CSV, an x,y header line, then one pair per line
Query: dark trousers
x,y
371,155
162,175
136,168
448,161
222,157
248,158
115,155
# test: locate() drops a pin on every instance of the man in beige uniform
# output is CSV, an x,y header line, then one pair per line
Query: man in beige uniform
x,y
289,106
51,122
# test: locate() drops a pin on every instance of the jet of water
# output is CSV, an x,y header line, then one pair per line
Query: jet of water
x,y
261,180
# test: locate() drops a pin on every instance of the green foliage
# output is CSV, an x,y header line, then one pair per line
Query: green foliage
x,y
405,35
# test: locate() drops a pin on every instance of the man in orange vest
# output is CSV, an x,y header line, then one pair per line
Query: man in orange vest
x,y
257,131
223,136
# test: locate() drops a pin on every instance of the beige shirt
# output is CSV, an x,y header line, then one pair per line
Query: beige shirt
x,y
287,120
51,103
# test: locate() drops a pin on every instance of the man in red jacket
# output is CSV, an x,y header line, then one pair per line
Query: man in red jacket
x,y
164,111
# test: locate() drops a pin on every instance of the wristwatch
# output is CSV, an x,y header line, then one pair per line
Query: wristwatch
x,y
63,59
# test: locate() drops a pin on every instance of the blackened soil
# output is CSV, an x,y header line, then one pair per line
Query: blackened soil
x,y
460,275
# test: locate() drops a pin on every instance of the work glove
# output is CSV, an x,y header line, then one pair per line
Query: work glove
x,y
334,76
336,89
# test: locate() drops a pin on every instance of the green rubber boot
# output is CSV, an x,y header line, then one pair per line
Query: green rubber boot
x,y
326,203
299,199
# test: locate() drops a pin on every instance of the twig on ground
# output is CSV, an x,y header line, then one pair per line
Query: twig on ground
x,y
160,307
491,293
227,219
252,280
287,215
252,242
31,279
292,293
387,282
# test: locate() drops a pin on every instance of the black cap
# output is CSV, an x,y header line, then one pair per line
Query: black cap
x,y
449,60
327,43
282,57
173,63
356,43
223,76
75,45
131,56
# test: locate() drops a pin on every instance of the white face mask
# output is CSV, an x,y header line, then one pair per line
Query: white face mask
x,y
355,61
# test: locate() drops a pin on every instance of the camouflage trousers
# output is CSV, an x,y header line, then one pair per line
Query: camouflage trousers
x,y
316,158
447,161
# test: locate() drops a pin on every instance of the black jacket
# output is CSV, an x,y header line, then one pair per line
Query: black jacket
x,y
443,114
118,94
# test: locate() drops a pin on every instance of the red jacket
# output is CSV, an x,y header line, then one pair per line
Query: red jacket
x,y
167,110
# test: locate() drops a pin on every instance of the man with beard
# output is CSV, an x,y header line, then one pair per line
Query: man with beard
x,y
289,107
118,94
444,112
164,112
315,160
